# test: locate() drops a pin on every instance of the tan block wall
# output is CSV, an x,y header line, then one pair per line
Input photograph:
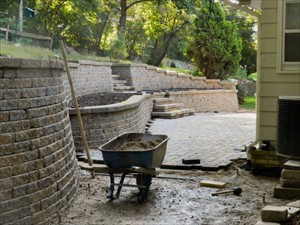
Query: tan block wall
x,y
89,77
207,100
38,172
144,77
102,123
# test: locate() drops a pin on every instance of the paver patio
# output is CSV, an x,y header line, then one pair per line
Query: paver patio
x,y
214,138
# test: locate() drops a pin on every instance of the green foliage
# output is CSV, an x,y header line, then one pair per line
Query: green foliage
x,y
239,74
252,76
249,102
154,28
240,94
215,46
245,24
163,23
118,50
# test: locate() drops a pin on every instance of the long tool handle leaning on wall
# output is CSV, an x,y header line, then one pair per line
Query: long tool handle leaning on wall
x,y
82,132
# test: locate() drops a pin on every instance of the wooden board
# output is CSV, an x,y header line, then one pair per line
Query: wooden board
x,y
212,183
104,169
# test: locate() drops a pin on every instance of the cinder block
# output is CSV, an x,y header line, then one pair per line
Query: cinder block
x,y
286,192
274,214
290,183
266,223
295,204
290,174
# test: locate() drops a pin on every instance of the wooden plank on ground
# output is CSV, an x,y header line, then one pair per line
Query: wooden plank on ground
x,y
212,183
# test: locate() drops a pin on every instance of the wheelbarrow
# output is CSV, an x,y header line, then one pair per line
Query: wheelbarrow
x,y
137,154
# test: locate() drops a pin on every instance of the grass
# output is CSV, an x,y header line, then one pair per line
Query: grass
x,y
253,76
26,51
21,51
249,102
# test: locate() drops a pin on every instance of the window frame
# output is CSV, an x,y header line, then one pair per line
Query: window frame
x,y
282,66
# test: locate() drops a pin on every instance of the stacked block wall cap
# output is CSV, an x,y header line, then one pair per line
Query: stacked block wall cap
x,y
131,102
94,63
197,78
31,63
212,81
130,65
197,92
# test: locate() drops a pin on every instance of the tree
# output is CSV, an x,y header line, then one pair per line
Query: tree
x,y
246,31
215,46
163,23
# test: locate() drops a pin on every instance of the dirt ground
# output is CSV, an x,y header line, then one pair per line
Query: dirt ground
x,y
175,197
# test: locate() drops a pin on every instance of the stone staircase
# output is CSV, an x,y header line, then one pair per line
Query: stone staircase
x,y
120,85
166,108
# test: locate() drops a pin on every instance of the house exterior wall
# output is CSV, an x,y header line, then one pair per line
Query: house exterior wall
x,y
272,83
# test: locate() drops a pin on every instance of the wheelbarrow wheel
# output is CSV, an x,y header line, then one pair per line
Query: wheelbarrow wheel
x,y
143,180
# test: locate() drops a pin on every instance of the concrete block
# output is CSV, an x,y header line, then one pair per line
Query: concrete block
x,y
274,214
290,183
292,164
292,210
286,192
290,174
266,223
295,204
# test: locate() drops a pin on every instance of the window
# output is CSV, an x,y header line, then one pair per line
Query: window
x,y
290,35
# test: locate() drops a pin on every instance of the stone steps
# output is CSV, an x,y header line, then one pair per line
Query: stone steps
x,y
120,85
166,108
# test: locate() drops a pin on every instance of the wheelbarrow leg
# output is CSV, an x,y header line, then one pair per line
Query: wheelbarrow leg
x,y
110,193
120,187
145,179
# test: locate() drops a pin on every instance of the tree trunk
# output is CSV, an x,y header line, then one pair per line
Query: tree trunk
x,y
151,60
100,35
122,21
20,16
165,49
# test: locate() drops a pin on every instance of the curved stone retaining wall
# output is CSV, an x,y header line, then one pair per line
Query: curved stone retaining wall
x,y
38,169
102,123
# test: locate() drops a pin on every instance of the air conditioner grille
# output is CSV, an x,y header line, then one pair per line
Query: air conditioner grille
x,y
288,127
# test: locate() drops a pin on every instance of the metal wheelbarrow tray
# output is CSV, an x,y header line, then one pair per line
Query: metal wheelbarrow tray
x,y
150,156
135,153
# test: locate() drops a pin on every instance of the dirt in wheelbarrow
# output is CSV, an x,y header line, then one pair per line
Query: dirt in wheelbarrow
x,y
137,145
175,197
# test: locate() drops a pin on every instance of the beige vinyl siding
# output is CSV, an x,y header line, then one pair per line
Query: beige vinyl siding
x,y
272,84
268,118
279,89
271,76
268,30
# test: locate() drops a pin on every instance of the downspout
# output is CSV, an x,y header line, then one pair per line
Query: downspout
x,y
258,94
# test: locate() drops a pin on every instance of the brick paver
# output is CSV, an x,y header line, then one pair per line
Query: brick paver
x,y
215,138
